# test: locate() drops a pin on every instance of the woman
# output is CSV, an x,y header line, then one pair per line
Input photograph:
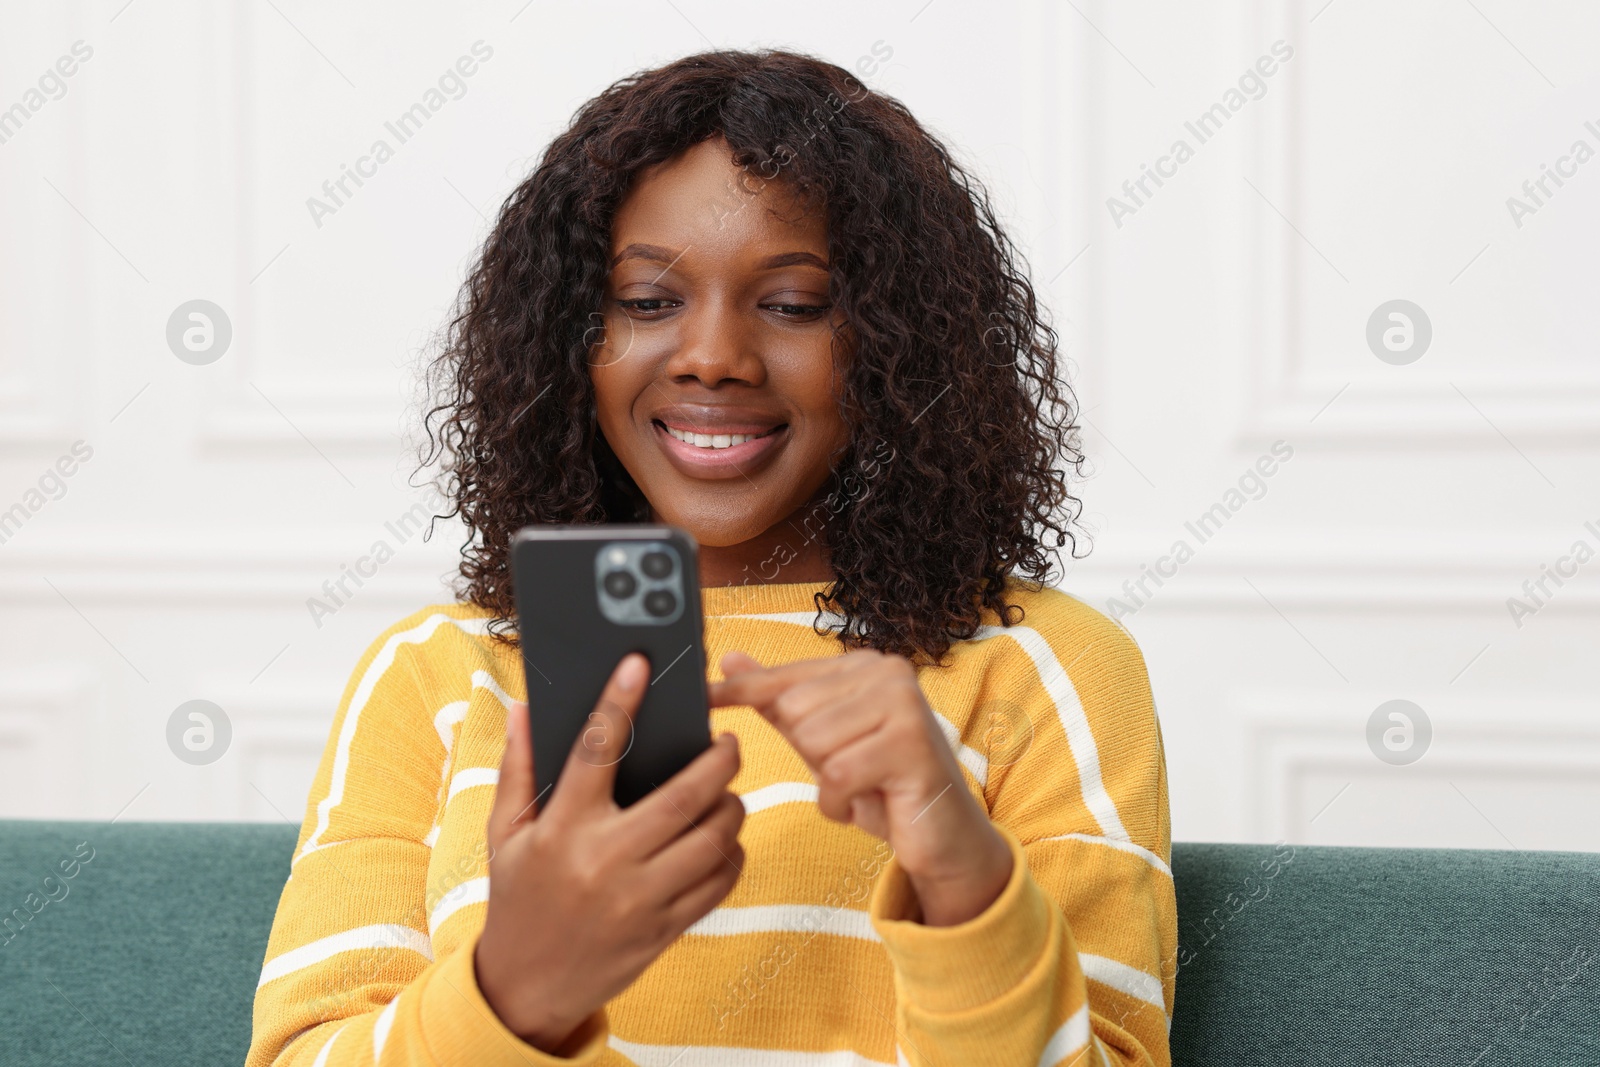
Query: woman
x,y
746,296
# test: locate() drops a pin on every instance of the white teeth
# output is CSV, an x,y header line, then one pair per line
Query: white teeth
x,y
706,440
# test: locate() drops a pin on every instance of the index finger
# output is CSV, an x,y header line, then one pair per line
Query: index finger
x,y
759,687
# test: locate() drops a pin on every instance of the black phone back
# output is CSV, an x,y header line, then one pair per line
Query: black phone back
x,y
587,596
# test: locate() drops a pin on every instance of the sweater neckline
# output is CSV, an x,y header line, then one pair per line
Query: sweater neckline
x,y
760,599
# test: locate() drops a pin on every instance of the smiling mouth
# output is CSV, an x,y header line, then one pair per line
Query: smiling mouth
x,y
715,441
731,451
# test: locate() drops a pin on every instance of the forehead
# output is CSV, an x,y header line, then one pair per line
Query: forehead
x,y
702,200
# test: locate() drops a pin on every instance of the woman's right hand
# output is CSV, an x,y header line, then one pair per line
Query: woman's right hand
x,y
585,896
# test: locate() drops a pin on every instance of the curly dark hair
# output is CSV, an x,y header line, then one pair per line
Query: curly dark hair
x,y
952,364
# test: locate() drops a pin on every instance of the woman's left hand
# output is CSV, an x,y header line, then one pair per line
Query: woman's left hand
x,y
862,725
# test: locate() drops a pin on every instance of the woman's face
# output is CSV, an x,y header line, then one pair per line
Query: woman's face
x,y
715,382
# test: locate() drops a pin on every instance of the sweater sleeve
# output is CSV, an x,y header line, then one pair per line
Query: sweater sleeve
x,y
350,975
1074,962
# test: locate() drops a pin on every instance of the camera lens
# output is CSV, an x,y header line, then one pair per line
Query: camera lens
x,y
660,602
620,584
656,564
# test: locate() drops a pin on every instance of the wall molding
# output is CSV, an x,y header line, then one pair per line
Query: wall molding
x,y
1284,735
1357,569
347,414
1402,404
47,747
273,727
1374,569
224,569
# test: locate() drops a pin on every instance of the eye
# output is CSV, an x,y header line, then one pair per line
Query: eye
x,y
647,307
798,312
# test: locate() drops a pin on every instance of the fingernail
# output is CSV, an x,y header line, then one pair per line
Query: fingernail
x,y
631,674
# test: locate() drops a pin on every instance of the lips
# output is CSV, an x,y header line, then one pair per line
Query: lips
x,y
711,438
715,441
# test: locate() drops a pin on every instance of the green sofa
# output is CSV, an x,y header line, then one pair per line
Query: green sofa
x,y
148,951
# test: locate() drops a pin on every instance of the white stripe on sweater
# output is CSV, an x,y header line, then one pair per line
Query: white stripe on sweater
x,y
444,723
1080,739
485,680
1141,985
1129,847
450,716
723,1056
786,918
472,891
851,922
380,1029
770,796
471,778
322,1057
358,701
1070,1038
976,763
446,720
379,936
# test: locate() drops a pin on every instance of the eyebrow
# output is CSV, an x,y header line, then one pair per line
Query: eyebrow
x,y
650,253
793,259
667,257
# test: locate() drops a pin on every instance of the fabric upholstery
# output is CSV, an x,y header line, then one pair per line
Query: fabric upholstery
x,y
151,953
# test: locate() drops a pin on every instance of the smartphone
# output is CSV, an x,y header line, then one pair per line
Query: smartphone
x,y
587,596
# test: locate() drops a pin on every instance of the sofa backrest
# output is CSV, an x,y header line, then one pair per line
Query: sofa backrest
x,y
149,950
1450,957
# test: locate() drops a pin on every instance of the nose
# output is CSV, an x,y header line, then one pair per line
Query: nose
x,y
715,345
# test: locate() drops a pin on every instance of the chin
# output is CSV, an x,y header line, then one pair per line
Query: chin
x,y
722,534
722,523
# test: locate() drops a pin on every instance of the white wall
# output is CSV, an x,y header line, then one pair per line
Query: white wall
x,y
1226,312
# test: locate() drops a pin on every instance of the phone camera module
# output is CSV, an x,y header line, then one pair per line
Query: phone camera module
x,y
660,602
621,584
640,583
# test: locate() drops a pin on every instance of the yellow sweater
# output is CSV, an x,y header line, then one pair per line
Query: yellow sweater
x,y
810,961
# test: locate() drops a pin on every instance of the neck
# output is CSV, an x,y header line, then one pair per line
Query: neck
x,y
784,553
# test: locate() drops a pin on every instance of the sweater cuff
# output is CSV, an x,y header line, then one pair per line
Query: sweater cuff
x,y
944,969
461,1030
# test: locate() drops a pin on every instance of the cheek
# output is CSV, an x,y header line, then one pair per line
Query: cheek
x,y
612,341
835,434
826,434
620,368
603,382
613,399
822,392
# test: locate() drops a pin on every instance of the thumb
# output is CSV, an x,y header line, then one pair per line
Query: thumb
x,y
590,773
513,797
